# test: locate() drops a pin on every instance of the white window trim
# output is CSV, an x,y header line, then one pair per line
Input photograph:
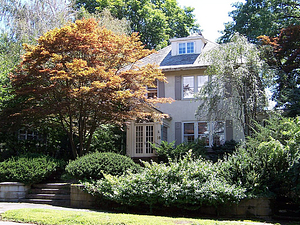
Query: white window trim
x,y
195,85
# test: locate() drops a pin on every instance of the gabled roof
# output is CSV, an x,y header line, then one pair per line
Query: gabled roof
x,y
167,62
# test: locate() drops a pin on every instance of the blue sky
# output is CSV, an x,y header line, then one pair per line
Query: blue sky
x,y
211,15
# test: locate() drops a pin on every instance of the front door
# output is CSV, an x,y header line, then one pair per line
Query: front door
x,y
144,136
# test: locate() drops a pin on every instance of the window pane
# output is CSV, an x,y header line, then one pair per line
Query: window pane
x,y
152,91
139,139
190,47
149,139
188,87
188,132
181,48
203,132
201,81
219,133
189,138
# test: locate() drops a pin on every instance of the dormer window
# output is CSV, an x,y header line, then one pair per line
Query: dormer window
x,y
187,45
186,48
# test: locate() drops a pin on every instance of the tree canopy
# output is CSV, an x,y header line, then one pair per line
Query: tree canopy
x,y
81,76
156,20
286,60
28,20
236,87
261,17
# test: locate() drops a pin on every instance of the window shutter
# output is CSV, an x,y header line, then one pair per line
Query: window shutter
x,y
178,85
161,89
229,130
178,133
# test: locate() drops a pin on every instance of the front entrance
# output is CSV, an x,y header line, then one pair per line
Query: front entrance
x,y
144,136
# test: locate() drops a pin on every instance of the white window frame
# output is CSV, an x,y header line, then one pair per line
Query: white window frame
x,y
195,86
24,134
145,144
186,50
210,128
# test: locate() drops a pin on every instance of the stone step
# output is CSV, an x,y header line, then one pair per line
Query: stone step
x,y
48,196
51,185
49,193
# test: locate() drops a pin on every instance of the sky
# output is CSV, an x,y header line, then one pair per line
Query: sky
x,y
211,15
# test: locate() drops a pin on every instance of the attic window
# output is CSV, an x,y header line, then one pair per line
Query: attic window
x,y
186,48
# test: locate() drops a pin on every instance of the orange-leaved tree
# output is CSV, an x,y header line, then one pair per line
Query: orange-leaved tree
x,y
84,75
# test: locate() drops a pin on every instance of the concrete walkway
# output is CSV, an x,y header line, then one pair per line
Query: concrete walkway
x,y
5,206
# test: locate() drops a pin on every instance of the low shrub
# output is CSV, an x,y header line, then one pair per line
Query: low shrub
x,y
29,168
93,165
186,184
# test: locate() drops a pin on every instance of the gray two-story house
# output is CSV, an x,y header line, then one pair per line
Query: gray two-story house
x,y
185,72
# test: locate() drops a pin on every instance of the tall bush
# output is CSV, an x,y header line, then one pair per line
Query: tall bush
x,y
268,163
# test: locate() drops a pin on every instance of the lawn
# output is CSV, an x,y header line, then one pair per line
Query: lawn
x,y
63,217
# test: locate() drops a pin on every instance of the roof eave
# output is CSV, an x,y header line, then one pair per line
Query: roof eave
x,y
180,68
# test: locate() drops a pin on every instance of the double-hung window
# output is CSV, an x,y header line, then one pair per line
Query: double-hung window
x,y
189,84
212,133
186,48
188,132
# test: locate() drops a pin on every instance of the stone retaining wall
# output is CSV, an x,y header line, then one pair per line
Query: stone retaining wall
x,y
81,199
247,208
257,208
12,191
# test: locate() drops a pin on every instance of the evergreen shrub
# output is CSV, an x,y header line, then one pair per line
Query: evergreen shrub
x,y
93,165
29,168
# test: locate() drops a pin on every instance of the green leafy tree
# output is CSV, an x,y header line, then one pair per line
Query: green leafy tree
x,y
261,17
81,76
286,60
27,20
237,83
106,19
9,56
156,20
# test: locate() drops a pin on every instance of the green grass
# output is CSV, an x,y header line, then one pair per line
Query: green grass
x,y
64,217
